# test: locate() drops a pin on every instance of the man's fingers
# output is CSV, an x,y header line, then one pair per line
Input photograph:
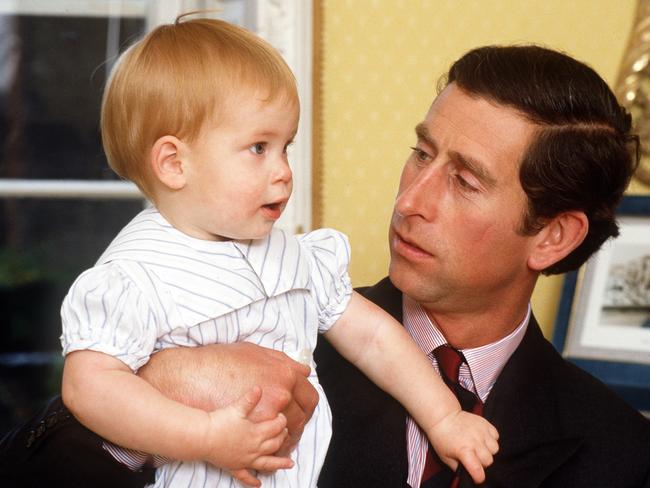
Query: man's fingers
x,y
299,411
298,368
296,417
301,369
306,396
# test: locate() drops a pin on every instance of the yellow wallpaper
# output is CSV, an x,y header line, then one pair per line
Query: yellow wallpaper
x,y
380,63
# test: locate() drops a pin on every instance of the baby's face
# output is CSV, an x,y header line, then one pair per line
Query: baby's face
x,y
240,179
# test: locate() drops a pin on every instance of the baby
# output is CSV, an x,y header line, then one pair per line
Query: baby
x,y
199,115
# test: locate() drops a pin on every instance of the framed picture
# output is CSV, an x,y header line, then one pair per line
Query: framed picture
x,y
603,322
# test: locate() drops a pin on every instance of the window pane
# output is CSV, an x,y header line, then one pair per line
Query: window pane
x,y
53,65
52,73
44,246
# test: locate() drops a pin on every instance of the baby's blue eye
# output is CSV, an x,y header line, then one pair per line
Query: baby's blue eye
x,y
258,148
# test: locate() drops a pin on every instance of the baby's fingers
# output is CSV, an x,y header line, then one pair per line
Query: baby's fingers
x,y
246,477
272,463
492,445
271,429
485,456
494,433
273,444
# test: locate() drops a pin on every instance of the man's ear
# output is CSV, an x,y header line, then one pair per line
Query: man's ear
x,y
558,238
166,163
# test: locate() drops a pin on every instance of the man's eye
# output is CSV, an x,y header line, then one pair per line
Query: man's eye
x,y
258,148
420,155
464,184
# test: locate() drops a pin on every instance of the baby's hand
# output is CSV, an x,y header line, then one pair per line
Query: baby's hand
x,y
235,442
246,477
466,438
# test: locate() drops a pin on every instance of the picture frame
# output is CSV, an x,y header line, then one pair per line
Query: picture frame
x,y
603,320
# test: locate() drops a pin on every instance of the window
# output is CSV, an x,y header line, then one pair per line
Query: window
x,y
60,204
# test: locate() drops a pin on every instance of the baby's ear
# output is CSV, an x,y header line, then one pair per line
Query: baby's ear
x,y
166,163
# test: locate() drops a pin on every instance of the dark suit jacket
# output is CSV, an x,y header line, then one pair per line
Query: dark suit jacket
x,y
559,427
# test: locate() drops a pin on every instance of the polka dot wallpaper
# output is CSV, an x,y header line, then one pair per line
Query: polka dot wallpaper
x,y
381,60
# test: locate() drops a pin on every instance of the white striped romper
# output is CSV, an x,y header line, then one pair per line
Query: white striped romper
x,y
155,287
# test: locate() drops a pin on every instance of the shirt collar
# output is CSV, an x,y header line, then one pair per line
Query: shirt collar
x,y
485,362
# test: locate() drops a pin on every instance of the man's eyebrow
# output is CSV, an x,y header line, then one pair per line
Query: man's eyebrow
x,y
472,165
476,168
423,134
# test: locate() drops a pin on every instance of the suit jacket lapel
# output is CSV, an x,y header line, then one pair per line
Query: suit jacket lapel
x,y
523,407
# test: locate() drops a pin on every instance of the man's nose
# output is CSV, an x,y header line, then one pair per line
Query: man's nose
x,y
419,193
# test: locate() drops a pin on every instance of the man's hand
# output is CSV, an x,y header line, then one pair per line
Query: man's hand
x,y
214,376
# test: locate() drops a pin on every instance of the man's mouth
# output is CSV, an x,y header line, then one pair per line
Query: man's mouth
x,y
407,248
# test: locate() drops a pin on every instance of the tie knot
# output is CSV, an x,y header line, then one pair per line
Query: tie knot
x,y
449,361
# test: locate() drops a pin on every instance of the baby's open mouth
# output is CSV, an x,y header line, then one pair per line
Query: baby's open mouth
x,y
273,210
272,206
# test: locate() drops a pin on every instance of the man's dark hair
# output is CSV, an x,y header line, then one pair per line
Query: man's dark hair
x,y
583,154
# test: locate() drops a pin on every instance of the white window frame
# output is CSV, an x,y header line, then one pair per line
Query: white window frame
x,y
286,24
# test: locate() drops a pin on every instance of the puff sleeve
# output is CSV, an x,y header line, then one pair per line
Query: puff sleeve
x,y
105,311
329,252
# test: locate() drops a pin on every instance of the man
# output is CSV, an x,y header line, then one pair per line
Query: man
x,y
518,167
517,170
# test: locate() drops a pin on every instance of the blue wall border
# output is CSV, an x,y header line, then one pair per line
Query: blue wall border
x,y
630,380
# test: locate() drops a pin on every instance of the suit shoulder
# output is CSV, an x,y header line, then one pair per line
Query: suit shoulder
x,y
597,403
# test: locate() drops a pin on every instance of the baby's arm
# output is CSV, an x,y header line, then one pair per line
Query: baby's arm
x,y
109,399
380,347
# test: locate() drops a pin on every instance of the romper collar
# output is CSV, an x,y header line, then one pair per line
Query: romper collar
x,y
206,279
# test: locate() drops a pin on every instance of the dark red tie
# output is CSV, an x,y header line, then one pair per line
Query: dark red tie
x,y
436,473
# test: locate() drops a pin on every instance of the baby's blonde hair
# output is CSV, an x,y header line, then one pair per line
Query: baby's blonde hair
x,y
177,78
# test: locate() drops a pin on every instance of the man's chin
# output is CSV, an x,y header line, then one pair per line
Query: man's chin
x,y
410,278
401,274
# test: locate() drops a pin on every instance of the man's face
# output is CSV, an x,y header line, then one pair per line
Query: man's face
x,y
453,236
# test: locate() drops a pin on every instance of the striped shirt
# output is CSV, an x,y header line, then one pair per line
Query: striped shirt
x,y
155,287
478,375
